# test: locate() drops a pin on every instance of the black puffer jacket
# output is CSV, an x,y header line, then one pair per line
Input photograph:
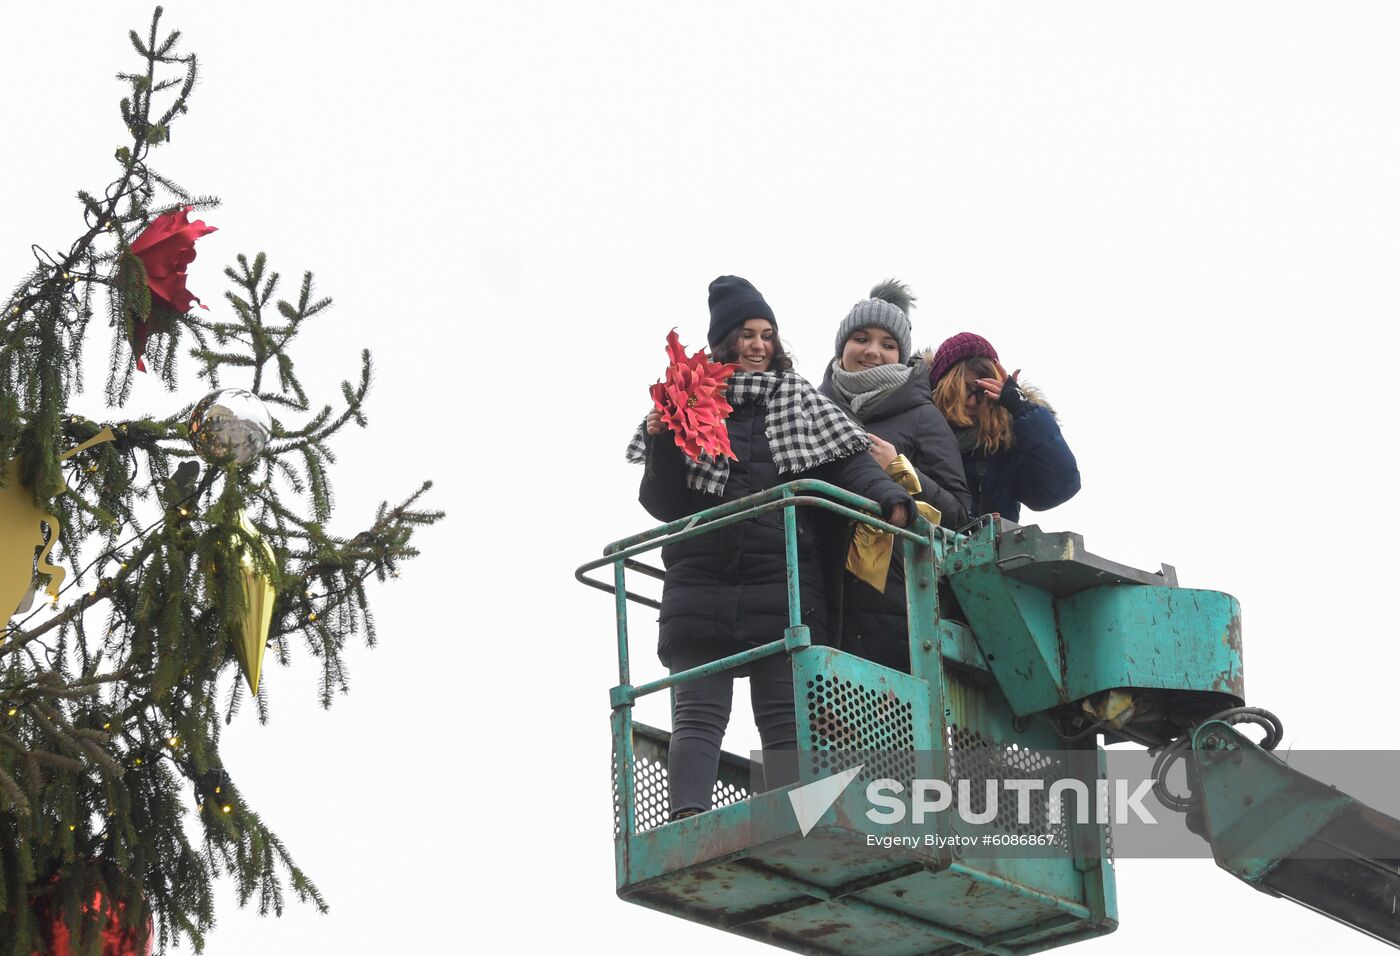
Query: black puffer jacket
x,y
728,589
875,624
908,420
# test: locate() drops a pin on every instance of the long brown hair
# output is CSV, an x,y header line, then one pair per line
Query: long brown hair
x,y
993,421
728,351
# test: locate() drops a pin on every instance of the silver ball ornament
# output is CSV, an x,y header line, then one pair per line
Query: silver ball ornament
x,y
230,426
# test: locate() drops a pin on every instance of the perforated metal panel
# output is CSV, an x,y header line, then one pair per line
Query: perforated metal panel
x,y
985,741
977,759
851,711
652,797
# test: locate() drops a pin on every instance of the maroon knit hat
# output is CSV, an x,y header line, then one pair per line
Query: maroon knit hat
x,y
957,348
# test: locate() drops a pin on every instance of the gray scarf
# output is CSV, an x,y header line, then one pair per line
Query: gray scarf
x,y
968,436
859,392
804,429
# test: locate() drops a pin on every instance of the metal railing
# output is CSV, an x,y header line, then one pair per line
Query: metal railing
x,y
804,492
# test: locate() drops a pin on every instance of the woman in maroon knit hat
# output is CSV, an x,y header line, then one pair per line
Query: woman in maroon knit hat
x,y
1012,449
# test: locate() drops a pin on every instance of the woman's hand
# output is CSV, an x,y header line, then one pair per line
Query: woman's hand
x,y
654,424
883,451
993,388
899,517
1009,398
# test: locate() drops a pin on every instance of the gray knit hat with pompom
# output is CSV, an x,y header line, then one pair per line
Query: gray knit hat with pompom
x,y
888,309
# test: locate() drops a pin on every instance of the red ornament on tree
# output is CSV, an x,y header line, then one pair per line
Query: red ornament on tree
x,y
166,249
118,939
691,401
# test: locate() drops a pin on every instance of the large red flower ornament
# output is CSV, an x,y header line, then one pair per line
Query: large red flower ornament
x,y
166,249
691,401
118,938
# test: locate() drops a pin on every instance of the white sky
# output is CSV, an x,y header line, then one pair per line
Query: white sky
x,y
1180,220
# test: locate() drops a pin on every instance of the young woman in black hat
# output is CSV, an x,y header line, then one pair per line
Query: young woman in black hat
x,y
726,591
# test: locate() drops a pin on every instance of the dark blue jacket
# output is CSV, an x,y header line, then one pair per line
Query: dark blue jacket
x,y
1038,470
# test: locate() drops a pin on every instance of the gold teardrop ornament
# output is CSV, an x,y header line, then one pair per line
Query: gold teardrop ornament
x,y
255,623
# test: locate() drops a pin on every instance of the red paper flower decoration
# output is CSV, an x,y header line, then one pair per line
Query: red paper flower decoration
x,y
691,401
117,939
166,249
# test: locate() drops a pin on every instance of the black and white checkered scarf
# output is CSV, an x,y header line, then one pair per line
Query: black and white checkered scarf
x,y
805,429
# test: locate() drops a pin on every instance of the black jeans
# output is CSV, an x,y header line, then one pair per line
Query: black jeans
x,y
700,714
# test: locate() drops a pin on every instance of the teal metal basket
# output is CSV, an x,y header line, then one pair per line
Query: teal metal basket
x,y
747,867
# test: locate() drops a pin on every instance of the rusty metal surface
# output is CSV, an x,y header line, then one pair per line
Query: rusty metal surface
x,y
1058,562
746,868
907,908
1178,639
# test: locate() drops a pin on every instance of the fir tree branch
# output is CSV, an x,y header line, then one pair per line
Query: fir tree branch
x,y
113,703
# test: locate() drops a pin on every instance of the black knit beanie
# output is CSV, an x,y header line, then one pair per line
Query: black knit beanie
x,y
733,301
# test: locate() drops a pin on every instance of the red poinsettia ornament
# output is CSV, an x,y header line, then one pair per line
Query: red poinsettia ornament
x,y
691,401
166,249
118,939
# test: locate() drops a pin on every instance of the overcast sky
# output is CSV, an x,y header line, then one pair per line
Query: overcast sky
x,y
1179,220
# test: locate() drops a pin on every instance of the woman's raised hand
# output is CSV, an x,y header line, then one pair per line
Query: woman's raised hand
x,y
883,451
993,388
654,424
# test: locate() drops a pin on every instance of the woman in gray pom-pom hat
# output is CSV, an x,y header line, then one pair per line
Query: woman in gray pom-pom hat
x,y
873,379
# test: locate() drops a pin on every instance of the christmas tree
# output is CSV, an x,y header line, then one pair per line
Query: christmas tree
x,y
146,565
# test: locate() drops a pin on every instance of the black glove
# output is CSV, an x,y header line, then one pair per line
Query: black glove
x,y
1012,398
